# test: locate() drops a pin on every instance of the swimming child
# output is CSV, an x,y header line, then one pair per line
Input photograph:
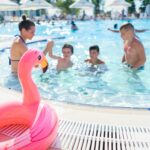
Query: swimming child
x,y
134,53
96,64
65,61
73,26
94,52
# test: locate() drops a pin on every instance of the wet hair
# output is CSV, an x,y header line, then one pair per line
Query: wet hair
x,y
68,46
115,26
72,22
127,26
94,47
25,23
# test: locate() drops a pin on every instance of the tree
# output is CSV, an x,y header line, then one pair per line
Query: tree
x,y
48,1
17,1
130,1
131,9
146,2
64,6
97,6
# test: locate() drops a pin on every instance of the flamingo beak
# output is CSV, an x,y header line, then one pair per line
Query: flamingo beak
x,y
44,64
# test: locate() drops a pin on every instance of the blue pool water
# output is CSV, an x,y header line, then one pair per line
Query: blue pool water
x,y
117,87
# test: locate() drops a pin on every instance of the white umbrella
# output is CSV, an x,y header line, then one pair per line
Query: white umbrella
x,y
7,5
82,4
35,5
117,5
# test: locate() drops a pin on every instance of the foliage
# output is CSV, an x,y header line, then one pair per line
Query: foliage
x,y
17,1
131,9
97,6
142,8
146,2
64,6
48,1
130,1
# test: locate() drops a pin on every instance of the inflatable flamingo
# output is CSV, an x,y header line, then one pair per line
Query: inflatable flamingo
x,y
27,124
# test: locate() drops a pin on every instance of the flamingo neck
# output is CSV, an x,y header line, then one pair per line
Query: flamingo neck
x,y
30,91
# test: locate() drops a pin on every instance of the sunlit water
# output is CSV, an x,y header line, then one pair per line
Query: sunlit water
x,y
117,87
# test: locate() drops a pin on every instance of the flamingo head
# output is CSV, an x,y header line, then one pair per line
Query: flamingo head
x,y
30,59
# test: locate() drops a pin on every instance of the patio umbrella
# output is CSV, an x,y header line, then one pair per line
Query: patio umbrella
x,y
82,4
7,5
35,5
117,5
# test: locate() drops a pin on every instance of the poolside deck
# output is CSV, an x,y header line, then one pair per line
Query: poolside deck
x,y
88,114
117,116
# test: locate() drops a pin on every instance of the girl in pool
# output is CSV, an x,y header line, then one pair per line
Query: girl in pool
x,y
19,47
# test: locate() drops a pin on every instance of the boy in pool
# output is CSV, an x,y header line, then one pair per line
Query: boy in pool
x,y
94,52
134,53
65,61
96,64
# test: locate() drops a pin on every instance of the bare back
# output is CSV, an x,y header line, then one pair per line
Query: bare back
x,y
17,50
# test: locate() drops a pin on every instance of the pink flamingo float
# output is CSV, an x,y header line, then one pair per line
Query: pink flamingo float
x,y
27,124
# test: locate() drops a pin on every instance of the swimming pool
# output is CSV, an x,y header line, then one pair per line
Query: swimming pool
x,y
117,87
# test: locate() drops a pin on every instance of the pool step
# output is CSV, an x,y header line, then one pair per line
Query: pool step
x,y
73,135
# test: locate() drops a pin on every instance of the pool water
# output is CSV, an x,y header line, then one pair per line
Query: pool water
x,y
116,87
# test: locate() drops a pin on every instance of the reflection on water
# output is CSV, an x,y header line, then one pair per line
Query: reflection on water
x,y
12,82
135,83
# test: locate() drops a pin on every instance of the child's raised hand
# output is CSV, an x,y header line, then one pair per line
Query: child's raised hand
x,y
50,44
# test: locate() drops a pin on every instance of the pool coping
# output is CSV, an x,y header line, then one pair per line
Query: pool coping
x,y
93,114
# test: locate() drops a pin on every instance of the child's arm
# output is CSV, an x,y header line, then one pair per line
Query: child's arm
x,y
123,58
49,47
142,58
127,47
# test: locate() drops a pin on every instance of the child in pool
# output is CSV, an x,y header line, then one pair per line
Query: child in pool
x,y
94,52
65,61
96,63
134,53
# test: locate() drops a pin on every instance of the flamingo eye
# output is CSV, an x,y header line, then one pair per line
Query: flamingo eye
x,y
39,57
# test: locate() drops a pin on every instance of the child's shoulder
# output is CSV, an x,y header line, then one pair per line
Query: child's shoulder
x,y
87,60
137,43
100,62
